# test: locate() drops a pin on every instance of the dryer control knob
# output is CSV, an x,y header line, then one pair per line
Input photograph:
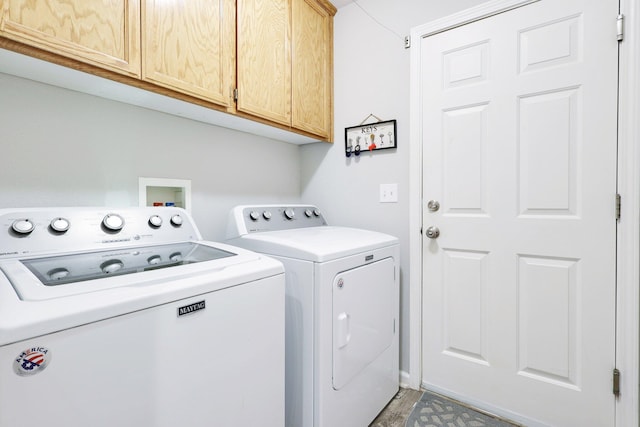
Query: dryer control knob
x,y
176,220
289,213
266,215
316,212
23,226
113,222
155,221
254,215
60,224
308,213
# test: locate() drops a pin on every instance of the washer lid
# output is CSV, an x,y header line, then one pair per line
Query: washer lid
x,y
65,275
317,244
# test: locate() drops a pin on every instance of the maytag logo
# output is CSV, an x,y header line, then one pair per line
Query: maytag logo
x,y
191,308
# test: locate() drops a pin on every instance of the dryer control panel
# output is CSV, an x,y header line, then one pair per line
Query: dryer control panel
x,y
260,218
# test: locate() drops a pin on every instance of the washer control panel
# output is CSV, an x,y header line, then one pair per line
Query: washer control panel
x,y
261,218
32,231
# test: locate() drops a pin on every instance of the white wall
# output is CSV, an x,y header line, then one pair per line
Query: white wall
x,y
65,148
371,69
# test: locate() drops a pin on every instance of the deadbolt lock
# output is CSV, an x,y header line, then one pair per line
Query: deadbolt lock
x,y
433,205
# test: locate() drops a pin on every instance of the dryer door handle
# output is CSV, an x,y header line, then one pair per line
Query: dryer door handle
x,y
344,332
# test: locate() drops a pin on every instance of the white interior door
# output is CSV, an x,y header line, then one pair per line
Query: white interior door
x,y
519,148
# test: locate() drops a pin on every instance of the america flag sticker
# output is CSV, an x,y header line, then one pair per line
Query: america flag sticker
x,y
32,361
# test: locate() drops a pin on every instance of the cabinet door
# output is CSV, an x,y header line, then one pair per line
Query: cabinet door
x,y
264,59
105,33
312,68
189,46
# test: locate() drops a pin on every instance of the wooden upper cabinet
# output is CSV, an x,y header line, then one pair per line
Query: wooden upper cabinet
x,y
285,63
264,59
189,46
105,33
278,54
312,67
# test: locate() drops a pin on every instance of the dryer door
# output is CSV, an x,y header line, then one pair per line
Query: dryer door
x,y
363,321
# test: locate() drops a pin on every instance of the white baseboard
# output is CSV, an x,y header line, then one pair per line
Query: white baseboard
x,y
405,380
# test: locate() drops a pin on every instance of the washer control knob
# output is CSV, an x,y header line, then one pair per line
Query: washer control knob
x,y
111,266
254,216
176,220
266,215
316,212
155,221
113,222
154,260
23,226
60,224
308,213
289,213
58,273
175,257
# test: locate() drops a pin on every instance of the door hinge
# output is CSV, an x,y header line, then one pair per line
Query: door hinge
x,y
618,206
407,42
616,382
620,27
235,95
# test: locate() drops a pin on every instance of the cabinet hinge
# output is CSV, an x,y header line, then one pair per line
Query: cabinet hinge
x,y
620,27
618,206
616,382
235,95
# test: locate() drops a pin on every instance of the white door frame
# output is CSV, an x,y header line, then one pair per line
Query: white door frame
x,y
628,235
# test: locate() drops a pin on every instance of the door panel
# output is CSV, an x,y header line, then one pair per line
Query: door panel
x,y
519,142
98,32
264,59
189,47
363,319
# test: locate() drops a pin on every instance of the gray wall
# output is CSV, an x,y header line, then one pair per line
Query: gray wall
x,y
371,69
65,148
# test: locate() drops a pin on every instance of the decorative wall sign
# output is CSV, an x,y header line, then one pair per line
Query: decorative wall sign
x,y
371,136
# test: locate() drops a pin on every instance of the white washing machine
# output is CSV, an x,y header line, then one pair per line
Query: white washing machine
x,y
342,308
126,317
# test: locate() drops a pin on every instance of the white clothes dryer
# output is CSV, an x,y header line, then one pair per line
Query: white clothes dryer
x,y
126,317
342,308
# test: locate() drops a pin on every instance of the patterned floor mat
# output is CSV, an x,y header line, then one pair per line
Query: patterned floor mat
x,y
433,410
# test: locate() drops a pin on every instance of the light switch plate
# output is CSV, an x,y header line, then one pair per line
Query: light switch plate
x,y
388,193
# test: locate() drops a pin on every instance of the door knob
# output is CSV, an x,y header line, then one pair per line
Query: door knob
x,y
433,232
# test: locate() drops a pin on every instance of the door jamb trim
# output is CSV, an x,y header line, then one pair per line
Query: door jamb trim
x,y
628,242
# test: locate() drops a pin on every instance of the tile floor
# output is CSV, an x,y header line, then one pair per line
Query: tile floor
x,y
397,411
395,414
